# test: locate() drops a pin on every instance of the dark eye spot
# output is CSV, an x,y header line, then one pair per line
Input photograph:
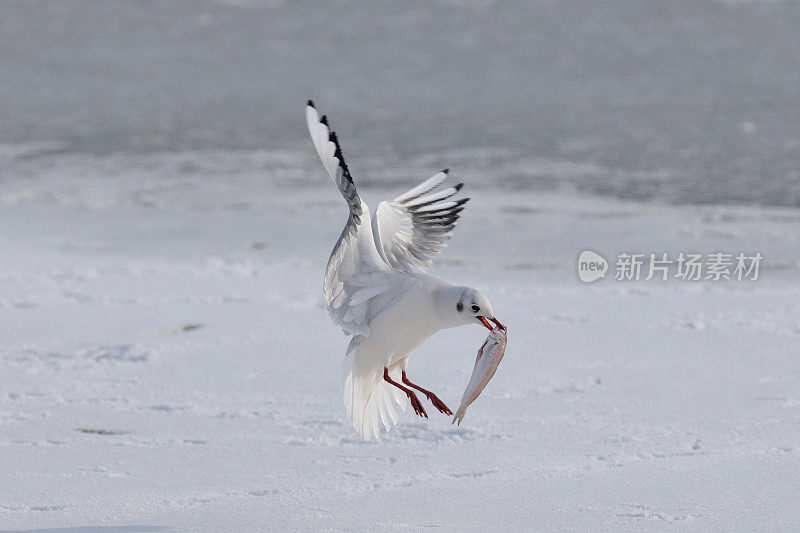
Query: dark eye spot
x,y
475,308
460,306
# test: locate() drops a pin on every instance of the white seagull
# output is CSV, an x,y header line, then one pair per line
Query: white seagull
x,y
377,291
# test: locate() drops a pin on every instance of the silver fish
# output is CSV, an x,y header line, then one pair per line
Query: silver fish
x,y
489,356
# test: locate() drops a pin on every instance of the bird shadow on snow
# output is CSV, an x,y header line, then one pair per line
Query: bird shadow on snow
x,y
422,432
94,529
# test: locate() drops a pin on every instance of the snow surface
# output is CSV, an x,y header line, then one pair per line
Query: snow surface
x,y
167,362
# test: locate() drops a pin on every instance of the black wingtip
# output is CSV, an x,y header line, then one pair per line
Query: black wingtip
x,y
310,103
338,152
324,119
446,171
458,186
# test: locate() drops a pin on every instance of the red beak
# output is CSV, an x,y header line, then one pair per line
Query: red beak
x,y
501,326
486,323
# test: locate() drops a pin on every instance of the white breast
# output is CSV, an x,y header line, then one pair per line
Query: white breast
x,y
396,331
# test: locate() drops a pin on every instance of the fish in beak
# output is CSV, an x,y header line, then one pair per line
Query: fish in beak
x,y
489,325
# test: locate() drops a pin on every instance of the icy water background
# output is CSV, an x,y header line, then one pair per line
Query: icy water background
x,y
166,358
678,102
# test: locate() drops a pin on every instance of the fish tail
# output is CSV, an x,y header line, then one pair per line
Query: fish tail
x,y
459,416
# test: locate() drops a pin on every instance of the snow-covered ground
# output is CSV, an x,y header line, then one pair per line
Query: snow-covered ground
x,y
167,361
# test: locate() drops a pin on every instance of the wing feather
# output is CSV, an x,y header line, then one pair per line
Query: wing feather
x,y
358,281
413,229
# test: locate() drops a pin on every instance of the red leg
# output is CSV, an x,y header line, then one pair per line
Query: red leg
x,y
437,403
415,403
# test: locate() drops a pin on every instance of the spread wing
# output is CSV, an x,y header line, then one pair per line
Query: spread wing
x,y
411,230
358,283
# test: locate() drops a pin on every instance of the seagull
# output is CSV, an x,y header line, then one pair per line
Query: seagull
x,y
377,291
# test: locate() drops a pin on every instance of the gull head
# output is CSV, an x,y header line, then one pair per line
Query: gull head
x,y
465,305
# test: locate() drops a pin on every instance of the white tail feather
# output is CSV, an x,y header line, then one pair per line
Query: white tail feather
x,y
369,400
